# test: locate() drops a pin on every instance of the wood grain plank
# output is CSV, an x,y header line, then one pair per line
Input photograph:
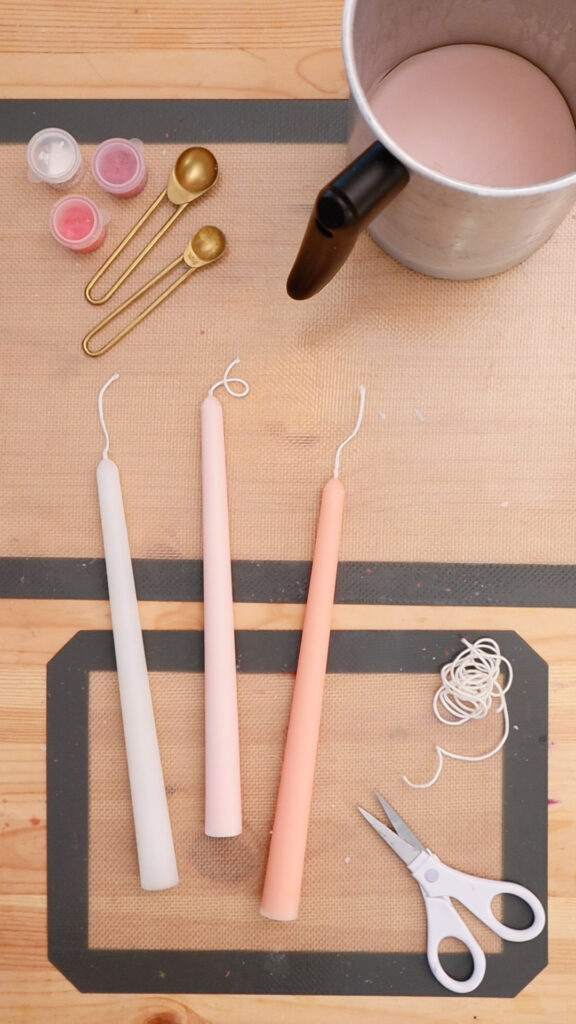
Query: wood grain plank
x,y
551,631
178,50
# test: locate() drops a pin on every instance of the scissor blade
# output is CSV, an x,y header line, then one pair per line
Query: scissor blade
x,y
404,850
400,827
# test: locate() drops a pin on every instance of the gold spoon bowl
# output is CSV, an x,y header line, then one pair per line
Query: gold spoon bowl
x,y
207,246
193,174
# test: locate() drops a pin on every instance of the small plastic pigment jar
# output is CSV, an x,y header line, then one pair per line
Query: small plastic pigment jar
x,y
53,156
77,223
118,167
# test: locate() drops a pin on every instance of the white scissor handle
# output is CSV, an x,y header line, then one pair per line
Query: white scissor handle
x,y
437,879
444,922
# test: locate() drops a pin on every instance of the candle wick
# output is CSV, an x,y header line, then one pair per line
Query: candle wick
x,y
362,390
227,381
101,414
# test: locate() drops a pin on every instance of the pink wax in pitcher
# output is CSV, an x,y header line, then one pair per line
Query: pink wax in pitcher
x,y
478,114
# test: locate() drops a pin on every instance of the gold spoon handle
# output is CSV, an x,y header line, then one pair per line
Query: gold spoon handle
x,y
138,259
144,313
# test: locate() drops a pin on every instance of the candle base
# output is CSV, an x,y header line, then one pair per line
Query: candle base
x,y
153,884
224,833
272,916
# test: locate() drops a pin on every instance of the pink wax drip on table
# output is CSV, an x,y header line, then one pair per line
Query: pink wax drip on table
x,y
478,114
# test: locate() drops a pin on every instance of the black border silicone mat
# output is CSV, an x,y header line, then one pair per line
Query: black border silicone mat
x,y
248,971
161,121
525,811
455,585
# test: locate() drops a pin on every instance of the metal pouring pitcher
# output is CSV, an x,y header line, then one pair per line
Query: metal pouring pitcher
x,y
429,222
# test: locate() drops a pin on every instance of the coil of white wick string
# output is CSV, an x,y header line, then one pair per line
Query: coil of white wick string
x,y
226,381
470,685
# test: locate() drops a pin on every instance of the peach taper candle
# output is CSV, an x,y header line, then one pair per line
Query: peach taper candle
x,y
285,867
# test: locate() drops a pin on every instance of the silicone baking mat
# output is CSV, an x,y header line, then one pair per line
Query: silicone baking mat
x,y
459,492
466,452
361,927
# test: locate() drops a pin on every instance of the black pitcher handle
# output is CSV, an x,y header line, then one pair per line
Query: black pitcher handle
x,y
342,210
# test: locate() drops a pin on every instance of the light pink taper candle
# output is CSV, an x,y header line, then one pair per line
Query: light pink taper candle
x,y
285,867
223,797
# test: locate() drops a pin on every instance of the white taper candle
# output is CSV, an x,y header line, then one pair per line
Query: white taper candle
x,y
154,842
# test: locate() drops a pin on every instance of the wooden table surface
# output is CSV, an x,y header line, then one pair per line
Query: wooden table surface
x,y
225,49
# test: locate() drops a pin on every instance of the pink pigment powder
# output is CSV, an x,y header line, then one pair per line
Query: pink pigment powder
x,y
76,223
478,114
118,167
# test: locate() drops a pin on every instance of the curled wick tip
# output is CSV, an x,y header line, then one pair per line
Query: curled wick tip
x,y
362,391
227,381
106,449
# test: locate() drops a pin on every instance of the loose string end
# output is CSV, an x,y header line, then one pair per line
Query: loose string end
x,y
435,777
227,381
362,391
103,389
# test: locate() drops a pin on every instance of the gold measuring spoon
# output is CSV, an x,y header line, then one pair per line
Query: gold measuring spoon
x,y
207,246
194,172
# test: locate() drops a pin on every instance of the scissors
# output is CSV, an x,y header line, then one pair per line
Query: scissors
x,y
438,883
